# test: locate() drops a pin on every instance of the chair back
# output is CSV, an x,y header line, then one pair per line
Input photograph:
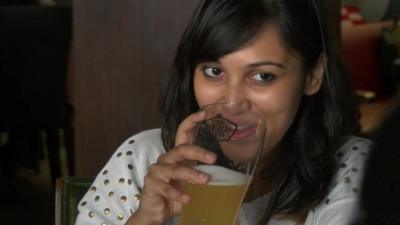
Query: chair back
x,y
69,191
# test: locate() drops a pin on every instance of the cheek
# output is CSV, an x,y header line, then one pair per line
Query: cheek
x,y
205,94
278,107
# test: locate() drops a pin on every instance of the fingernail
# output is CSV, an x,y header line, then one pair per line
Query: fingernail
x,y
201,112
210,157
185,198
202,177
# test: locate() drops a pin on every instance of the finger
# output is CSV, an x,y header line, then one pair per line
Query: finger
x,y
186,152
184,135
170,172
155,188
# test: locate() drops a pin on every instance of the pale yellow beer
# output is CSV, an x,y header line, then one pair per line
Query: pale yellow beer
x,y
218,202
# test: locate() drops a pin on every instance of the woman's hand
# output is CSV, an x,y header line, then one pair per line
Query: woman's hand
x,y
162,197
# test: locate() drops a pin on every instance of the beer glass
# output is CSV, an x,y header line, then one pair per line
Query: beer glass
x,y
236,136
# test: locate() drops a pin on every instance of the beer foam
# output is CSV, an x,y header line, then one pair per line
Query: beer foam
x,y
223,176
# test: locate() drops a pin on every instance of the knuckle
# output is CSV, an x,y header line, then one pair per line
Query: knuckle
x,y
160,218
147,179
183,149
165,189
178,148
153,169
161,158
175,169
171,193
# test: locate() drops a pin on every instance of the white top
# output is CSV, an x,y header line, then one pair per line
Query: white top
x,y
115,193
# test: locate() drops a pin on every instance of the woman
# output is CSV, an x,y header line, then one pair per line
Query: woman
x,y
275,58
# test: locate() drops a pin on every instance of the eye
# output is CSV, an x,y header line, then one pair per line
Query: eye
x,y
212,71
263,77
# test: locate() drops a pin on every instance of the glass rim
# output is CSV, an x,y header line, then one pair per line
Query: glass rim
x,y
233,104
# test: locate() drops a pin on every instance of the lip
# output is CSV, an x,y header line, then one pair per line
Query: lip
x,y
243,133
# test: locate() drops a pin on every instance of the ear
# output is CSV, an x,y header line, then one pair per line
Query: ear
x,y
314,80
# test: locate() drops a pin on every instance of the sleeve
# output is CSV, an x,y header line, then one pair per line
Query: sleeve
x,y
341,205
115,193
336,213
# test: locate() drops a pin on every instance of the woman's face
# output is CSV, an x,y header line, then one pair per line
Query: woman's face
x,y
263,76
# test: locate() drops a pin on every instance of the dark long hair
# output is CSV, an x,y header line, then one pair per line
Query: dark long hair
x,y
324,120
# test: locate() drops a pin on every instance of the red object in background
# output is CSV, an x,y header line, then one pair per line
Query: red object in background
x,y
360,50
361,56
350,16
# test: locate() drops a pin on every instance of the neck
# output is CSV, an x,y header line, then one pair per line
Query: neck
x,y
268,176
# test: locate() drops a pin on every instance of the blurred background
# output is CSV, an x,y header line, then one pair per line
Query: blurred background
x,y
79,77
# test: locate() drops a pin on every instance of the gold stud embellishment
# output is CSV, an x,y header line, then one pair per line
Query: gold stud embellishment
x,y
91,214
137,197
93,189
106,182
107,211
120,216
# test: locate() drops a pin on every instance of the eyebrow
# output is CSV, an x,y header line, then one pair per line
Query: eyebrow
x,y
266,63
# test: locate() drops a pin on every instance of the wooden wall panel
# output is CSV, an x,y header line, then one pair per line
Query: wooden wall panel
x,y
122,52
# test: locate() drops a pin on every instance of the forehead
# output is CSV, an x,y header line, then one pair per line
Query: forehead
x,y
268,43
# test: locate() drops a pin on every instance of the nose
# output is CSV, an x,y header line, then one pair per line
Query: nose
x,y
235,93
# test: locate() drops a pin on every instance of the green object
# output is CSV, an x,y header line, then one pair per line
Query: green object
x,y
70,191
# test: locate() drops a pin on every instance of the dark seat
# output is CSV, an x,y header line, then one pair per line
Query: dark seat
x,y
69,191
34,47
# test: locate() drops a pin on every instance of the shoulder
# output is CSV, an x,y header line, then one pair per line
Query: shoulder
x,y
136,154
146,143
116,190
351,158
342,199
147,137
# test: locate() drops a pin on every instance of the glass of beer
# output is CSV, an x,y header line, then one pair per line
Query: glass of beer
x,y
236,135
